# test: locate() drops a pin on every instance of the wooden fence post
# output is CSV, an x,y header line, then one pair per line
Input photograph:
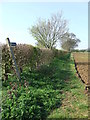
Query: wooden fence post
x,y
10,45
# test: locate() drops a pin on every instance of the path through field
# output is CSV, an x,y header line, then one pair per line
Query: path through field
x,y
75,102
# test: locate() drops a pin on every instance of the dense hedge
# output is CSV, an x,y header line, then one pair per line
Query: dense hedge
x,y
26,55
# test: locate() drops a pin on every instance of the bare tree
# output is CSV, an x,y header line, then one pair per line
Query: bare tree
x,y
69,41
47,33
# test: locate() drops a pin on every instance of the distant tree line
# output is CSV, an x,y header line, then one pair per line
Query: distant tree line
x,y
82,50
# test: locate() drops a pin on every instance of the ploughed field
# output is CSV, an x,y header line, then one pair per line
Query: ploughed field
x,y
82,61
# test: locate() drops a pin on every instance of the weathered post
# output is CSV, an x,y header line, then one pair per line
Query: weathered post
x,y
10,45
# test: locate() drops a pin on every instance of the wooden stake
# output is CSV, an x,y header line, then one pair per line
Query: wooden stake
x,y
10,45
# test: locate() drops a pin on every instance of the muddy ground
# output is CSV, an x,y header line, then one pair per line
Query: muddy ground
x,y
82,64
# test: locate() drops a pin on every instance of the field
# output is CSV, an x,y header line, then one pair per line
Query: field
x,y
82,62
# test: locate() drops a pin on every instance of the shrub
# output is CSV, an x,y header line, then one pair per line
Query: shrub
x,y
27,55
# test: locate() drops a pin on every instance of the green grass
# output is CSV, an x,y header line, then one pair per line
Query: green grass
x,y
75,102
56,91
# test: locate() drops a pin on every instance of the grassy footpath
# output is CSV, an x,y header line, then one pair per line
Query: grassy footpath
x,y
75,102
53,91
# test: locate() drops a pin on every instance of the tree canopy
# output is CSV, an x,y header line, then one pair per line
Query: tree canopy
x,y
69,41
48,32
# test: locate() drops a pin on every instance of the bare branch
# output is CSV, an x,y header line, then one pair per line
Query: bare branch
x,y
49,32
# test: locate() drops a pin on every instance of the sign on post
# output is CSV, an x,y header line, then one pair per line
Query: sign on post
x,y
13,44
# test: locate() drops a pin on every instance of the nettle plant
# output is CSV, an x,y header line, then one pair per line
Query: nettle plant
x,y
12,105
23,101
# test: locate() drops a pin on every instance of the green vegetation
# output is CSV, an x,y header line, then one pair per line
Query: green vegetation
x,y
75,102
43,90
26,55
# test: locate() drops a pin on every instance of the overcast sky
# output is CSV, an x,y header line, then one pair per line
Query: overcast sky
x,y
17,17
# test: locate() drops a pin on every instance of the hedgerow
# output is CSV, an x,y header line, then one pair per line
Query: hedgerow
x,y
36,94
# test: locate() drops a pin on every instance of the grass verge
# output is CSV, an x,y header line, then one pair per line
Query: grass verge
x,y
75,102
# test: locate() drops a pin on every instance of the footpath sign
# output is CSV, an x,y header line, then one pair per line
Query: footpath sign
x,y
10,45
